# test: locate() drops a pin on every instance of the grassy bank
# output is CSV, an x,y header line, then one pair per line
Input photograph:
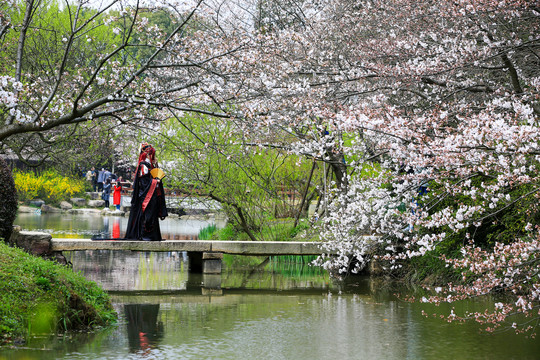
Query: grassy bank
x,y
39,296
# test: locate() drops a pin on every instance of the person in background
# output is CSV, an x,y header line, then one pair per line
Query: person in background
x,y
100,179
117,193
106,175
106,193
94,178
89,178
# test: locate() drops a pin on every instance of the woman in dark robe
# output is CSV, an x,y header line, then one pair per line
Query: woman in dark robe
x,y
147,200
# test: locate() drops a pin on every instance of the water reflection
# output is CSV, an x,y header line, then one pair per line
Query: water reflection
x,y
358,322
116,229
65,225
281,318
143,271
132,271
279,312
144,330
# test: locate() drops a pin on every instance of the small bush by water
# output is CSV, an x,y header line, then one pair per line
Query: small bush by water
x,y
40,296
207,232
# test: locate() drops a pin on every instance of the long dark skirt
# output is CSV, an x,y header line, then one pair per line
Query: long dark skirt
x,y
144,224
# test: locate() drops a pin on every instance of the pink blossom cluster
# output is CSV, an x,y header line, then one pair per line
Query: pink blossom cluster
x,y
509,268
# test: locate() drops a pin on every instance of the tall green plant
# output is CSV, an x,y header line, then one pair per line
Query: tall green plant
x,y
207,232
211,157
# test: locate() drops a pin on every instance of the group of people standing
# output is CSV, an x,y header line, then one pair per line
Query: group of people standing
x,y
116,187
147,199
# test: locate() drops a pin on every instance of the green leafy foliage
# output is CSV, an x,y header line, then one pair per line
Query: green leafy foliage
x,y
505,223
254,185
56,23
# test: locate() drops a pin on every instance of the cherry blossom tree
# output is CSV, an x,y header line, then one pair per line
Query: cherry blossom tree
x,y
105,61
425,113
428,115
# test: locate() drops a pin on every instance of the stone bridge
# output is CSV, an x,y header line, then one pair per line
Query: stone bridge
x,y
205,255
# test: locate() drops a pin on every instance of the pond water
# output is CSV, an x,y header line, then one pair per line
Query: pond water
x,y
286,311
91,225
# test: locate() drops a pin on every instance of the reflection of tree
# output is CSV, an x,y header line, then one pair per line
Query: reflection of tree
x,y
144,330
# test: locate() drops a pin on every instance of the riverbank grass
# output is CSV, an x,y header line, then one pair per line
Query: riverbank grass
x,y
276,230
39,296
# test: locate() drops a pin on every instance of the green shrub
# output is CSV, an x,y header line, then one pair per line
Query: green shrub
x,y
227,233
41,296
8,201
301,227
277,230
207,232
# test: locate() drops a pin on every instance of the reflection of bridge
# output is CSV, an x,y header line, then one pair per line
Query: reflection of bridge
x,y
194,295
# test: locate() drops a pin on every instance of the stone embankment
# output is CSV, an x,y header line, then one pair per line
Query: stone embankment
x,y
95,205
36,243
195,208
74,206
51,209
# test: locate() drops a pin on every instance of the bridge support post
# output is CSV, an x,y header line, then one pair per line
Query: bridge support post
x,y
211,284
205,262
212,262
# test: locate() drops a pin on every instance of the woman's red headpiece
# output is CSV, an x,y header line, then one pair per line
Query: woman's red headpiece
x,y
147,151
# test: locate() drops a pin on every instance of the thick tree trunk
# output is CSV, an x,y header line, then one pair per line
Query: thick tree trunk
x,y
513,74
305,194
